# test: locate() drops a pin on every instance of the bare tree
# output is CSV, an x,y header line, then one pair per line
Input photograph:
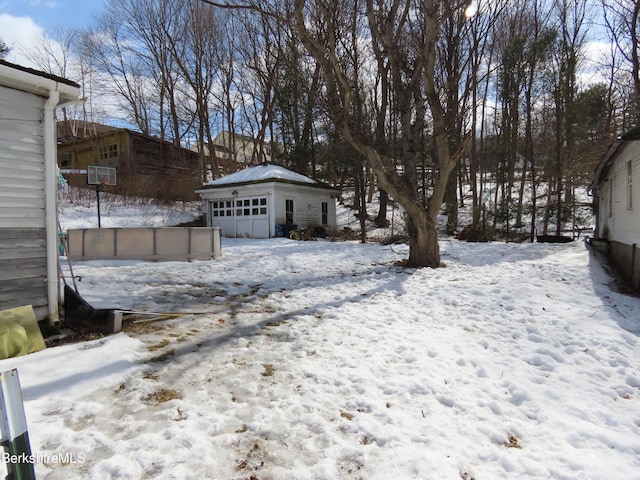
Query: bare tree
x,y
257,42
405,34
112,47
571,16
622,19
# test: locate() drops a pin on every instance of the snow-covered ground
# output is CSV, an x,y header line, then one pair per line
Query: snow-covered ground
x,y
325,360
77,208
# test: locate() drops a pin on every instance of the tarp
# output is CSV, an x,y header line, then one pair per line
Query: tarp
x,y
19,332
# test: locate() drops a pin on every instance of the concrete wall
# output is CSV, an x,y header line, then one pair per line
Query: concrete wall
x,y
156,244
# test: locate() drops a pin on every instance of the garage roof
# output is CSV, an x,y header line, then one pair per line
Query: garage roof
x,y
262,173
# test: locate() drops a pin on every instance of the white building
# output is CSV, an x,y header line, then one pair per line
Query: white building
x,y
616,191
28,186
267,200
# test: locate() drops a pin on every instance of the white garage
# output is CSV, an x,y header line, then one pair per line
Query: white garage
x,y
266,201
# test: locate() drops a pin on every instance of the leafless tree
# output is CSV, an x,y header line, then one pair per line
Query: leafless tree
x,y
402,36
622,19
112,47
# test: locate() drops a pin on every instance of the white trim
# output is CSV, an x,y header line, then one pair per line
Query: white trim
x,y
51,211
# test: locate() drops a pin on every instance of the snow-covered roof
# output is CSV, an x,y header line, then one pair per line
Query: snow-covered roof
x,y
261,173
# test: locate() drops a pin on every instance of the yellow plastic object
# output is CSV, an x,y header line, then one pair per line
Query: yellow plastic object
x,y
19,332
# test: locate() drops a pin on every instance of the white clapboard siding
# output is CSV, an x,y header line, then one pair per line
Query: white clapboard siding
x,y
624,223
23,268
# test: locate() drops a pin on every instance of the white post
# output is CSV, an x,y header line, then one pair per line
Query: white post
x,y
13,427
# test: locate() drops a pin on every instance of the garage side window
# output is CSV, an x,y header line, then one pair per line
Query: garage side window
x,y
325,213
629,186
610,193
288,210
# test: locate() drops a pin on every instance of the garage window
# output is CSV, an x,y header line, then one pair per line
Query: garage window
x,y
241,207
222,208
629,186
288,210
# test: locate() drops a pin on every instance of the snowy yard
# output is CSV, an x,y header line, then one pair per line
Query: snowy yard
x,y
320,360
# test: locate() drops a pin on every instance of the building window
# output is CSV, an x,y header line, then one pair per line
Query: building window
x,y
222,208
64,160
629,186
288,211
610,194
244,207
325,213
107,152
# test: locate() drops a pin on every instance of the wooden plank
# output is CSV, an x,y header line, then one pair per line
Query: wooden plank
x,y
22,254
37,273
15,243
22,212
32,297
18,284
22,263
22,233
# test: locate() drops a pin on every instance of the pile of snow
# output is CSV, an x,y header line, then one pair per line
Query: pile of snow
x,y
324,360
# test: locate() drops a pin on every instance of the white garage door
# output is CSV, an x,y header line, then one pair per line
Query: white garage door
x,y
241,217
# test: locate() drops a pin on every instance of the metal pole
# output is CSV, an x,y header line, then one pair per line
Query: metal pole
x,y
98,202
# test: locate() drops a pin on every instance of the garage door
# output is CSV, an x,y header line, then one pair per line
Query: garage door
x,y
242,217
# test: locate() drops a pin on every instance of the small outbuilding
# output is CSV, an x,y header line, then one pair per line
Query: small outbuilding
x,y
266,201
616,193
28,186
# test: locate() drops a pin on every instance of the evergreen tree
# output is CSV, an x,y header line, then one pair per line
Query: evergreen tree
x,y
4,49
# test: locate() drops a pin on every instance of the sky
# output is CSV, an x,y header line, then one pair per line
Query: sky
x,y
23,22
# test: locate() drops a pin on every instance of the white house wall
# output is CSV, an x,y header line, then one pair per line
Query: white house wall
x,y
622,224
23,264
619,213
307,205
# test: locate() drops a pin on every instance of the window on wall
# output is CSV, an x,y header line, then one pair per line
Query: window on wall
x,y
325,213
222,208
629,186
241,207
107,152
65,160
288,210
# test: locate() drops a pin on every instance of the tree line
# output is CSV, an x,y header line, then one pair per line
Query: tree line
x,y
417,99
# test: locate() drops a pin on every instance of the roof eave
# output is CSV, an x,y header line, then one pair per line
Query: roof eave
x,y
612,152
36,82
316,185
